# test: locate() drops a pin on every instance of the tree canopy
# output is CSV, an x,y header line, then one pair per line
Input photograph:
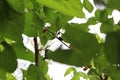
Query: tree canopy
x,y
86,49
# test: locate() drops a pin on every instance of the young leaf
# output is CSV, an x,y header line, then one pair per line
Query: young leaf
x,y
81,74
8,59
107,26
69,70
75,78
68,7
88,6
47,77
102,16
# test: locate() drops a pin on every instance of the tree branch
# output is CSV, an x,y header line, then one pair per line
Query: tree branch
x,y
36,51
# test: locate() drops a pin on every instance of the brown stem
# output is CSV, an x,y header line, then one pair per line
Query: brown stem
x,y
45,54
36,51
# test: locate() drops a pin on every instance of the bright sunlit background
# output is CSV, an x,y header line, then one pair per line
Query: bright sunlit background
x,y
57,70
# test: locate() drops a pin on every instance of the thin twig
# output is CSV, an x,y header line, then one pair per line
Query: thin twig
x,y
53,34
63,42
36,51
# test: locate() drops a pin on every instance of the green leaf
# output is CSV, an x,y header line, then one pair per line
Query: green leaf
x,y
113,72
112,47
91,71
56,19
82,44
20,50
33,24
12,24
113,4
88,6
116,75
44,37
17,7
81,74
2,74
101,62
10,76
50,14
34,73
47,77
87,41
102,16
8,59
68,7
69,70
76,76
28,5
107,26
24,72
11,19
23,53
93,77
91,21
62,20
43,65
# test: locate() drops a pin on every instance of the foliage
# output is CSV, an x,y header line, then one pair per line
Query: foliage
x,y
29,17
77,74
